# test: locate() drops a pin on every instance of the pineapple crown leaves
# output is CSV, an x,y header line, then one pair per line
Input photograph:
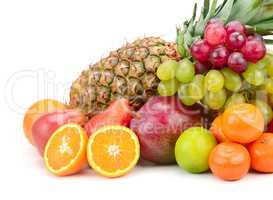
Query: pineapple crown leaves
x,y
256,14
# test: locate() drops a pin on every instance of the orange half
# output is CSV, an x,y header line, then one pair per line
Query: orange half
x,y
65,152
113,151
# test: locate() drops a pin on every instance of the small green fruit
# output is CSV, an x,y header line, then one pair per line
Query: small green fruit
x,y
192,149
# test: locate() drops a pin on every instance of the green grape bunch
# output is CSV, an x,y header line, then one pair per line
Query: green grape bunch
x,y
219,89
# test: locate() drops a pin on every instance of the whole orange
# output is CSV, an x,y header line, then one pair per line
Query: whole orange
x,y
216,129
229,161
243,123
261,153
37,110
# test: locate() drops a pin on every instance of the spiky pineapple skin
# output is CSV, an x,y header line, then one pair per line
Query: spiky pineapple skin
x,y
129,72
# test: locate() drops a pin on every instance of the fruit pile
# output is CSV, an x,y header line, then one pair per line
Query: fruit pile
x,y
163,131
204,102
63,137
242,143
235,143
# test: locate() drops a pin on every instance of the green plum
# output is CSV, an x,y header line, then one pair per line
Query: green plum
x,y
192,149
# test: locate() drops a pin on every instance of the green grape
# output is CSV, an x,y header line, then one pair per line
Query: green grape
x,y
215,100
269,85
166,71
214,81
167,88
259,94
254,75
185,71
233,80
234,99
268,62
196,88
259,65
184,96
265,110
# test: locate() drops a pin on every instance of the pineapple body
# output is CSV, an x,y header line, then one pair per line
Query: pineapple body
x,y
129,72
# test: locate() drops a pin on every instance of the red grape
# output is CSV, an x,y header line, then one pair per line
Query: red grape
x,y
255,37
219,56
235,26
215,34
201,68
236,62
200,50
254,49
235,41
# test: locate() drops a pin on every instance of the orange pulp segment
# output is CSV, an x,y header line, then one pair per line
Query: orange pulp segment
x,y
113,151
65,152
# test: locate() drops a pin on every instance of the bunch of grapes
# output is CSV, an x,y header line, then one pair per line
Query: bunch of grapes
x,y
228,45
228,67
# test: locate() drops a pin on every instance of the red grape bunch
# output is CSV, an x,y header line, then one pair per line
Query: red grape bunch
x,y
225,67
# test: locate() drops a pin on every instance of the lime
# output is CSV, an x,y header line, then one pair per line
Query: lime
x,y
192,149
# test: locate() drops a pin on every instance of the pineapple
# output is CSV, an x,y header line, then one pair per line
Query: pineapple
x,y
130,72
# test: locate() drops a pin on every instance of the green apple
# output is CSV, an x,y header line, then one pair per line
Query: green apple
x,y
192,149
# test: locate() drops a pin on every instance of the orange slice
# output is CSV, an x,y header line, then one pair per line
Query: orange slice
x,y
113,151
65,152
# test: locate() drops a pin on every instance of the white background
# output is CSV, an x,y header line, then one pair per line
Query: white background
x,y
44,45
